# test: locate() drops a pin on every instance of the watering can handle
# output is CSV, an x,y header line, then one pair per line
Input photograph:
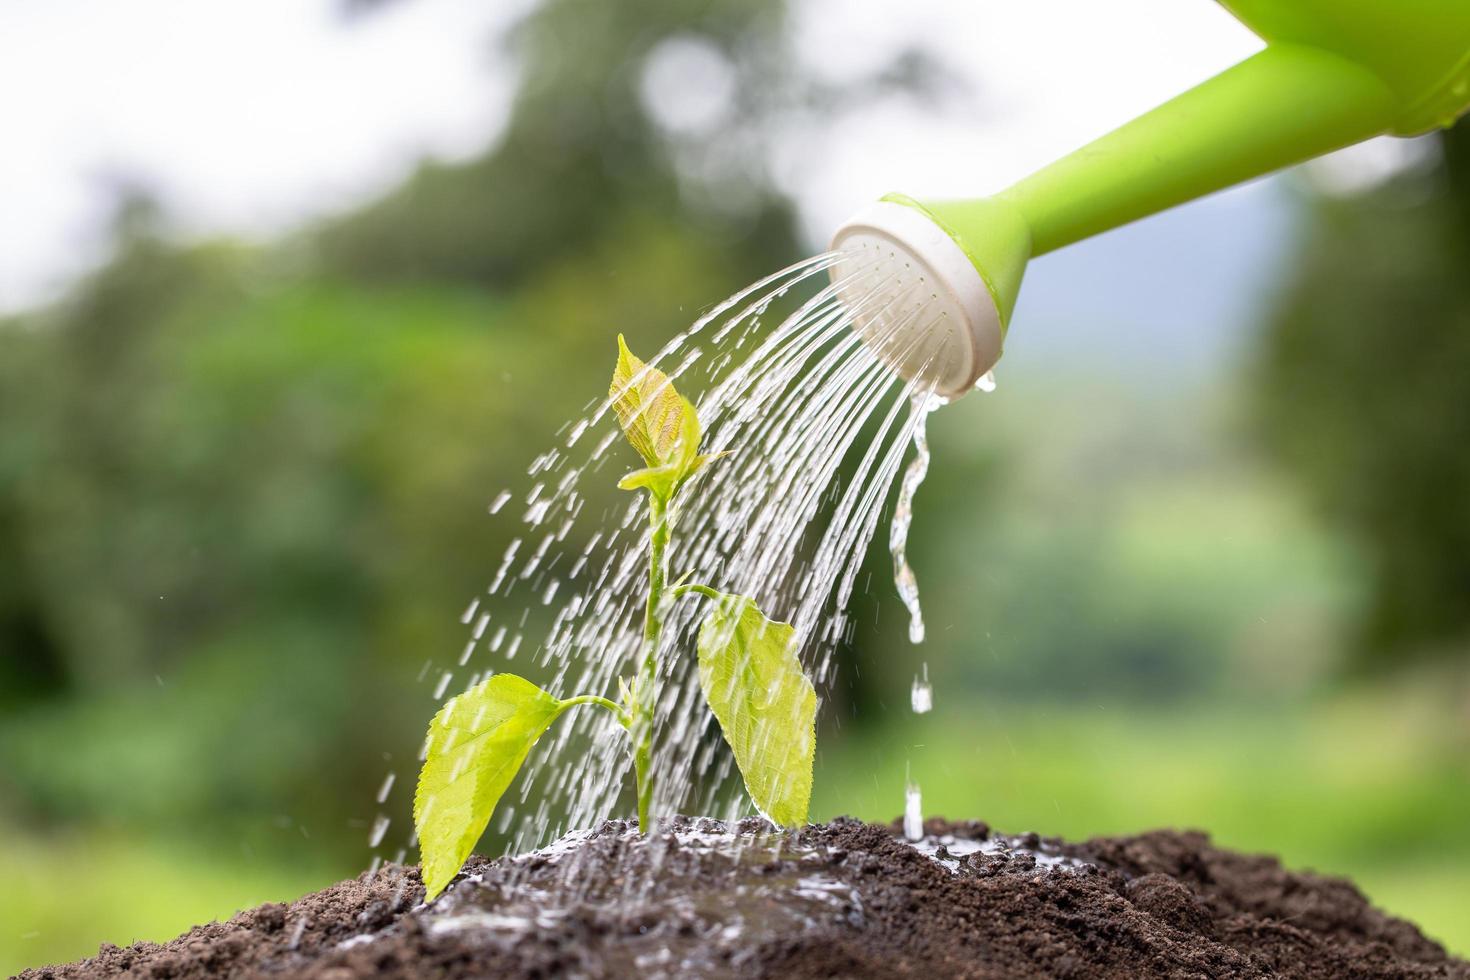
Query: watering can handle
x,y
1281,106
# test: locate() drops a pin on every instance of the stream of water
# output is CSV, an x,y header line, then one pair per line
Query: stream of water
x,y
903,516
818,427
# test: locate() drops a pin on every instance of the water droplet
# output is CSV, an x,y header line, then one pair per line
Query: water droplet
x,y
443,685
469,613
986,382
921,696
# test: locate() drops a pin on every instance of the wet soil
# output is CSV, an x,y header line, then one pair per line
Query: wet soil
x,y
846,899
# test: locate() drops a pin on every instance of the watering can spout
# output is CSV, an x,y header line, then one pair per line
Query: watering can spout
x,y
931,285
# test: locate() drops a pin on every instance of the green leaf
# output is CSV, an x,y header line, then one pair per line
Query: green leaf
x,y
659,423
766,707
653,415
660,481
476,744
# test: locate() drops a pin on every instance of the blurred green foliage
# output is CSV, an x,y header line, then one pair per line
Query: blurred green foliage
x,y
242,495
1085,536
1364,393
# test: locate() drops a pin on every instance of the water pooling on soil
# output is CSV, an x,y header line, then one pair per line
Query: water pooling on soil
x,y
818,427
696,897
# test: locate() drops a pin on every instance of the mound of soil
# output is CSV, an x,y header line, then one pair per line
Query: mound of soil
x,y
846,899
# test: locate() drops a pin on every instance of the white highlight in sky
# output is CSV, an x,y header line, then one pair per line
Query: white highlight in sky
x,y
244,117
247,118
1047,77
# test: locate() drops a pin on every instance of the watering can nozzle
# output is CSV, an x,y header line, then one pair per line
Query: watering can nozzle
x,y
916,297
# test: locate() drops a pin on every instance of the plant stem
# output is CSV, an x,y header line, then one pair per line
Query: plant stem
x,y
646,698
703,590
612,706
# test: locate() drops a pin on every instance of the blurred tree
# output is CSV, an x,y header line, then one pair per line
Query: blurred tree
x,y
1363,384
628,114
30,663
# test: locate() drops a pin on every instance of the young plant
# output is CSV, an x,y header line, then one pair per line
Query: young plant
x,y
748,669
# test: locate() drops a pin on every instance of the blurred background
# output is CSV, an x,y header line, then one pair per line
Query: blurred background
x,y
289,290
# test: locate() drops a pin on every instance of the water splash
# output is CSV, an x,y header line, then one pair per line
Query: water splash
x,y
913,811
816,422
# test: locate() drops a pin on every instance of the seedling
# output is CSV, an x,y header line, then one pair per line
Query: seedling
x,y
748,669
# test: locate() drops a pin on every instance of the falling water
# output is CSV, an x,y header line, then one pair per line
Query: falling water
x,y
817,429
380,827
903,514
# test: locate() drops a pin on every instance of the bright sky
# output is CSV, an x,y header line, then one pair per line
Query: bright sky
x,y
1049,75
248,117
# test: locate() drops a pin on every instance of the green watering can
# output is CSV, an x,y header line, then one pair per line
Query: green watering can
x,y
931,285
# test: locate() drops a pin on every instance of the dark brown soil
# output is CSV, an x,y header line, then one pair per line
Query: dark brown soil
x,y
841,900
